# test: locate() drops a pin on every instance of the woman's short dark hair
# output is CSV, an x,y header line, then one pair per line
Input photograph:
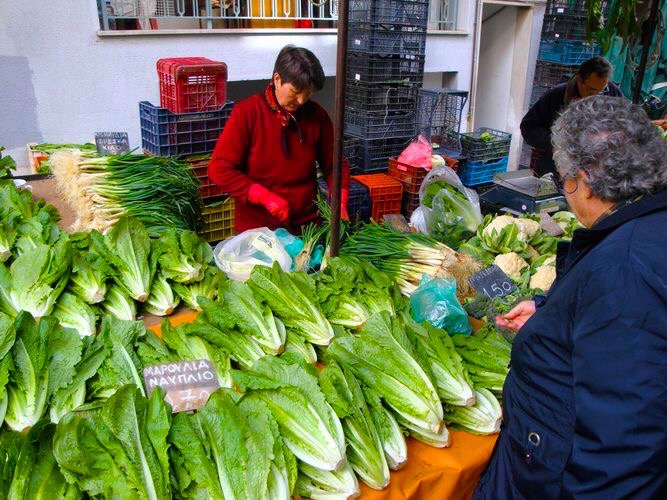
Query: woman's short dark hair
x,y
299,67
598,65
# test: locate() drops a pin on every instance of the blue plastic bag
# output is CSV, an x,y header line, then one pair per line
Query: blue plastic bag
x,y
293,244
435,301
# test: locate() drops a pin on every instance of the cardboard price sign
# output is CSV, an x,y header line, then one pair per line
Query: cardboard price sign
x,y
550,226
187,384
112,143
492,282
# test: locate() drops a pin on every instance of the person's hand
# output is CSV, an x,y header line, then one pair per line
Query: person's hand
x,y
516,318
344,197
275,205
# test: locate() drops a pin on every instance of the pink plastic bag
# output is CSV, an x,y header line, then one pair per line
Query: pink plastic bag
x,y
418,153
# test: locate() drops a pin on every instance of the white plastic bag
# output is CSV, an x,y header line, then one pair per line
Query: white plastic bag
x,y
237,256
468,212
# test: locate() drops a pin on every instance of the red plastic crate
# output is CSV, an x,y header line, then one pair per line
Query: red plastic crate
x,y
192,84
409,204
385,192
207,189
409,175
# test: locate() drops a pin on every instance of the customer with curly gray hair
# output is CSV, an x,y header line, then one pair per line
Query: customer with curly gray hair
x,y
585,402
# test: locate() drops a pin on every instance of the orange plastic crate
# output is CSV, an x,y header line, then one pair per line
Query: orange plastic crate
x,y
386,193
410,176
192,84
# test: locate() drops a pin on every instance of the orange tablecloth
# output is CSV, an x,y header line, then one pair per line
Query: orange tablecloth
x,y
431,473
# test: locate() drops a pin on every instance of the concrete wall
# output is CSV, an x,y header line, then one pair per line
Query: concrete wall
x,y
61,81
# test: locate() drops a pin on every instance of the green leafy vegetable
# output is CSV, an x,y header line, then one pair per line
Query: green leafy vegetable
x,y
118,450
321,484
44,356
89,271
483,417
72,312
183,256
392,438
385,364
207,287
364,452
119,304
162,301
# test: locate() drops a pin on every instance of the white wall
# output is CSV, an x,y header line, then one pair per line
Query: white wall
x,y
61,82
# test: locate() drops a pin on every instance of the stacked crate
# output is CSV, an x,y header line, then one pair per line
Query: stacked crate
x,y
385,69
563,47
192,113
487,153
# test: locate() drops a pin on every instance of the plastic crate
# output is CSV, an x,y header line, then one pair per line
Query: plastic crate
x,y
476,149
409,204
439,111
218,221
164,133
378,126
372,154
548,75
358,203
378,98
385,39
385,192
537,92
199,166
572,8
364,67
192,84
454,159
476,173
409,175
406,12
565,27
566,52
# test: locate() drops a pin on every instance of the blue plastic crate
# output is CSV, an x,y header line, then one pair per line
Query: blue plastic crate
x,y
164,133
566,51
476,173
359,202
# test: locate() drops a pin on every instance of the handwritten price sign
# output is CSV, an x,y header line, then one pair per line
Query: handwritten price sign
x,y
187,384
492,282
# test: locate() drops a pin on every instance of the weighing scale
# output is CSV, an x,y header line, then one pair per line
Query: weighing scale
x,y
521,192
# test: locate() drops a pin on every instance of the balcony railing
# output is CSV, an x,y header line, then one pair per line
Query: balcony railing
x,y
239,14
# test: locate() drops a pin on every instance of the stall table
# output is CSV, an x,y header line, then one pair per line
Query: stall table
x,y
430,473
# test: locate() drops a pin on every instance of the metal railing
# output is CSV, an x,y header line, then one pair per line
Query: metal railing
x,y
248,14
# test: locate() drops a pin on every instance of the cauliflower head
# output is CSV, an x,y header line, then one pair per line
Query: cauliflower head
x,y
498,223
543,278
511,263
528,226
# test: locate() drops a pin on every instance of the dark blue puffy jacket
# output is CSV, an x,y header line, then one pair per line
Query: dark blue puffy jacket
x,y
585,402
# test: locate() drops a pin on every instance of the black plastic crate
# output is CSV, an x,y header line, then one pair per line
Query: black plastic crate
x,y
572,8
164,133
370,68
386,39
380,98
537,92
439,111
358,203
564,27
406,12
378,126
373,154
476,149
548,75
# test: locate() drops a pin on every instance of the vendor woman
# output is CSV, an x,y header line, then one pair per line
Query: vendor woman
x,y
266,156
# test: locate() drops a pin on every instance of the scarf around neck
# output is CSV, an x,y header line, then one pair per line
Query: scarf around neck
x,y
284,116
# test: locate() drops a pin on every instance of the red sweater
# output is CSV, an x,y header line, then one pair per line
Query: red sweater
x,y
249,151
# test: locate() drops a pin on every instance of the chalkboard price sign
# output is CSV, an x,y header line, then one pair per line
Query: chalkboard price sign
x,y
492,282
112,143
187,384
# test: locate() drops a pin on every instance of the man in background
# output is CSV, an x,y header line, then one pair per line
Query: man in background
x,y
591,79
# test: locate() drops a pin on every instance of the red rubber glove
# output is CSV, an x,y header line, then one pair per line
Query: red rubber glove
x,y
276,205
344,197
